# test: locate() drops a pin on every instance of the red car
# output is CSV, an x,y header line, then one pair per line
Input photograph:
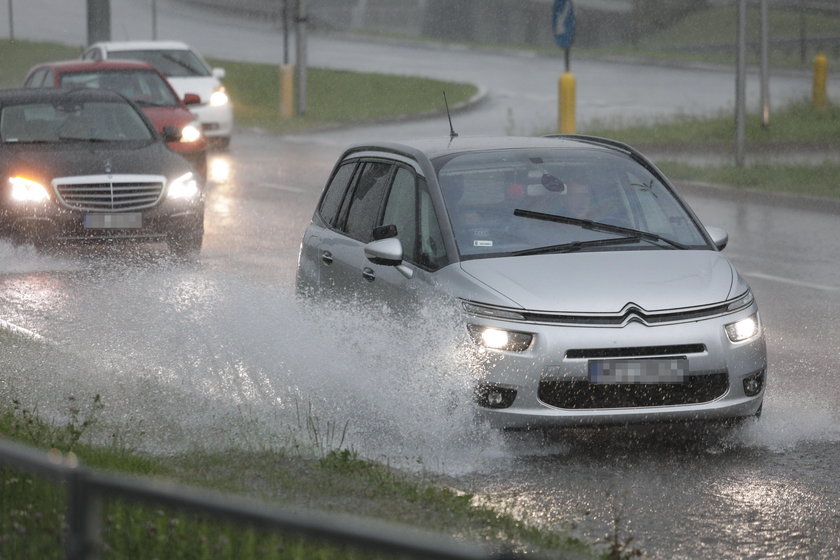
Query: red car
x,y
140,82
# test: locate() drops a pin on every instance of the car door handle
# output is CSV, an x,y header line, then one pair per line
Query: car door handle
x,y
326,257
368,274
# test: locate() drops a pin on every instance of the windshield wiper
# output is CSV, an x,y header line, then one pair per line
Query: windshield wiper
x,y
80,139
598,226
576,246
147,103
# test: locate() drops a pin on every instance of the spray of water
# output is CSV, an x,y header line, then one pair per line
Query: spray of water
x,y
185,357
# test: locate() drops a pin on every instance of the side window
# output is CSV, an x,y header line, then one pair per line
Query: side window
x,y
36,79
432,249
93,54
331,202
401,211
367,200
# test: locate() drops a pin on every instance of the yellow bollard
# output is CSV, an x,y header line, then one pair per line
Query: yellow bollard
x,y
287,91
566,111
820,79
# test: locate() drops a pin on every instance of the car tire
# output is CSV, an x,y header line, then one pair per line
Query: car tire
x,y
186,246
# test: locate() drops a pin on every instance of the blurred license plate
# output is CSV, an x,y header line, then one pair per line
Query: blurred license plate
x,y
110,221
649,370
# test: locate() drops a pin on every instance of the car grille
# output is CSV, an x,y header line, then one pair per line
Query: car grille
x,y
581,394
102,193
629,314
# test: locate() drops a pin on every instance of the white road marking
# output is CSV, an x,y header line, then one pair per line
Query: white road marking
x,y
277,187
783,280
5,325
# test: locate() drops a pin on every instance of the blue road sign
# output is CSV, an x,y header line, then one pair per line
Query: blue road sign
x,y
563,23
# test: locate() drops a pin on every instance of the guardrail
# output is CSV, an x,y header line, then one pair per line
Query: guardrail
x,y
86,488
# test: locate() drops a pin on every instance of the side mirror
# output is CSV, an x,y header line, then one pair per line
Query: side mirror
x,y
171,133
191,99
388,252
218,73
719,236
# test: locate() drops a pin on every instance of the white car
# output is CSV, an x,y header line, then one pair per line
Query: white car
x,y
188,72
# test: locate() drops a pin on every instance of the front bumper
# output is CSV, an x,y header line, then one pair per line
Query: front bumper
x,y
548,385
215,121
52,223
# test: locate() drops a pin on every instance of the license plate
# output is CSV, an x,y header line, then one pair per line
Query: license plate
x,y
114,221
643,370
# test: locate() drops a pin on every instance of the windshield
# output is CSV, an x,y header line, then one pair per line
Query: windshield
x,y
171,62
502,202
71,121
145,87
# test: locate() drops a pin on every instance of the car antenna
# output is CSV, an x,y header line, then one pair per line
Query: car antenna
x,y
452,133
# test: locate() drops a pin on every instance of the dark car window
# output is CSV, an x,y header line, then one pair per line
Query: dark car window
x,y
89,121
36,79
367,199
483,190
146,87
92,54
171,62
331,202
409,207
401,211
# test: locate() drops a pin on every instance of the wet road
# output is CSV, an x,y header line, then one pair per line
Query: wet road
x,y
218,351
225,336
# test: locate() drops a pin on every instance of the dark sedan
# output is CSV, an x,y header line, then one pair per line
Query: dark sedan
x,y
86,165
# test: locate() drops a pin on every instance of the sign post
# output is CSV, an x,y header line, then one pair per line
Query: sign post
x,y
563,25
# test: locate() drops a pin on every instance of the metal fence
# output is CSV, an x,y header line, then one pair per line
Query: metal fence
x,y
87,488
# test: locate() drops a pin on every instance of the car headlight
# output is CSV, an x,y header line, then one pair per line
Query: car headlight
x,y
219,97
191,132
743,329
500,339
26,190
184,187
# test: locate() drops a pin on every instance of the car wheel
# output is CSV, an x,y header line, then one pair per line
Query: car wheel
x,y
186,246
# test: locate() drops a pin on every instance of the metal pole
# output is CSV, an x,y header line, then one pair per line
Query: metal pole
x,y
802,33
154,20
98,21
11,21
765,67
285,32
300,35
84,510
740,83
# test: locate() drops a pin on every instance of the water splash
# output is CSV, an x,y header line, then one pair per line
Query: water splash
x,y
183,356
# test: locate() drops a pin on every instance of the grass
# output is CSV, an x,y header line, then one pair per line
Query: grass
x,y
799,127
32,510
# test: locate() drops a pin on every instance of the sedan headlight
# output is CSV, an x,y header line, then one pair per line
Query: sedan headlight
x,y
26,190
743,329
191,132
184,187
500,339
219,97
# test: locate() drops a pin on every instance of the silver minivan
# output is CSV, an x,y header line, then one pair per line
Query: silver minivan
x,y
590,289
